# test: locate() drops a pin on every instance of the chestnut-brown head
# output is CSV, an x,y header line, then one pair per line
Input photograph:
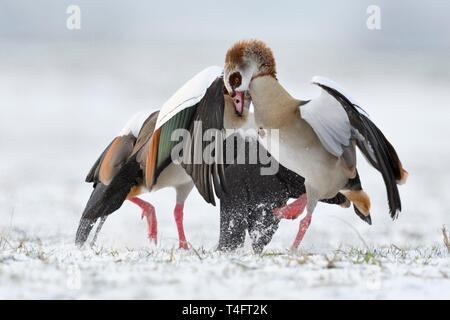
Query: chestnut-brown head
x,y
244,61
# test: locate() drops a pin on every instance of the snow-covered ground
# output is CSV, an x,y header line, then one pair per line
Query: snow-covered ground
x,y
61,104
36,268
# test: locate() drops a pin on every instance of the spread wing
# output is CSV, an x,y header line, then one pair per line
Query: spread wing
x,y
338,122
196,107
143,148
208,115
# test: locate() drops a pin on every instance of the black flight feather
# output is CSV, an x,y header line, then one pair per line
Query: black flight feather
x,y
209,112
383,158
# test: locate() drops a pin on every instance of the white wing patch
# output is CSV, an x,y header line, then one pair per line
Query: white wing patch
x,y
329,121
333,85
188,95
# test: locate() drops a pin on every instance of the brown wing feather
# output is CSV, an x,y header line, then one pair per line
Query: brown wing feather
x,y
115,157
150,163
146,148
107,171
93,174
146,132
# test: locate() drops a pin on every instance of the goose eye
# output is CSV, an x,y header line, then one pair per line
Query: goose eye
x,y
235,80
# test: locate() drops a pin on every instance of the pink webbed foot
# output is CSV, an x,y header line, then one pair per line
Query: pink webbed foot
x,y
304,225
149,213
292,210
178,213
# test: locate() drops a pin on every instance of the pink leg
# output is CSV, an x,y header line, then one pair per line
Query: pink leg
x,y
148,211
178,213
304,224
292,210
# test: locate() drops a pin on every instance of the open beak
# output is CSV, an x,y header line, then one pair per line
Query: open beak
x,y
238,99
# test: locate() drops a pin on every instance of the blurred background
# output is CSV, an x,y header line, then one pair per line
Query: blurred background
x,y
64,94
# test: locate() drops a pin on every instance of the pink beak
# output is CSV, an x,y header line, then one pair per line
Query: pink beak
x,y
238,99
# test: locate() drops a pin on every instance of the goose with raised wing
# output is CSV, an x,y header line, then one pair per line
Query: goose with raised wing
x,y
251,195
139,159
317,139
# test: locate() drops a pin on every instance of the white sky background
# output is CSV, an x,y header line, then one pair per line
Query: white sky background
x,y
405,24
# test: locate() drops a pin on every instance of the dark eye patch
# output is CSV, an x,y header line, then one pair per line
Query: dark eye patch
x,y
235,80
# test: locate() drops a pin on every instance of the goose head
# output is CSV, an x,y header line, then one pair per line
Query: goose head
x,y
244,61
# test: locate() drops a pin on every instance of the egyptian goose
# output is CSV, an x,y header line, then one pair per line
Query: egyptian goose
x,y
316,138
252,197
140,158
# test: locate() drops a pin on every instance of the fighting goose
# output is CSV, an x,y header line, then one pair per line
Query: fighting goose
x,y
251,197
317,138
139,159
